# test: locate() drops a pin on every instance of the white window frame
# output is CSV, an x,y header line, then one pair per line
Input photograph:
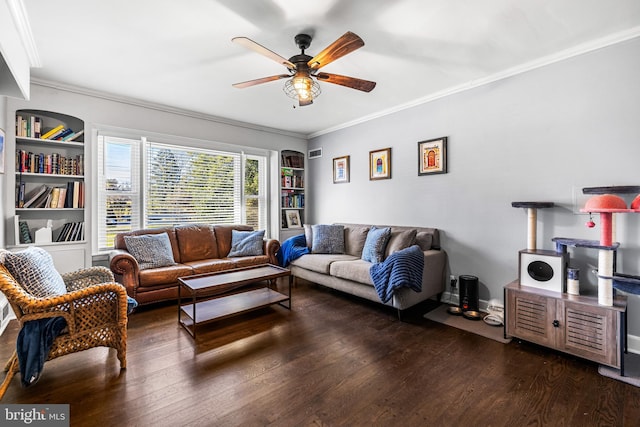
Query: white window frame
x,y
263,156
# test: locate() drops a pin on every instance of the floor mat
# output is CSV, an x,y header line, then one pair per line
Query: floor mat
x,y
440,315
631,370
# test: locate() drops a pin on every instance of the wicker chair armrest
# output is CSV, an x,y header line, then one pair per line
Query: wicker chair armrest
x,y
87,276
96,303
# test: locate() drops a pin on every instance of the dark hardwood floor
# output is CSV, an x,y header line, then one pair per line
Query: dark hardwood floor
x,y
334,360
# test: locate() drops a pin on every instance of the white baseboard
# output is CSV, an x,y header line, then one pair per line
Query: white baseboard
x,y
633,341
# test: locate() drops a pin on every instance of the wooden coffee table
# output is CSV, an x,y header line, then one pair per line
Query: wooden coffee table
x,y
218,295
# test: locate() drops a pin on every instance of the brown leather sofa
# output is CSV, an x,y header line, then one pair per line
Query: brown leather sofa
x,y
196,249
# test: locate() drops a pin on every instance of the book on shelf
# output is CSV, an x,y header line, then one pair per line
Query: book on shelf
x,y
51,164
60,135
33,195
71,232
73,136
28,127
25,234
52,132
292,161
22,234
20,187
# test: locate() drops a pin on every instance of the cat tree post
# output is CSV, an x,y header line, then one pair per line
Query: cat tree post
x,y
532,220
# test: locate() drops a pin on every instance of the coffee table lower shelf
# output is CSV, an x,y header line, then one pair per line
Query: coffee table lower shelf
x,y
228,306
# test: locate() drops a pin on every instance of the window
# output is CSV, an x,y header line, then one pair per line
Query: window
x,y
174,185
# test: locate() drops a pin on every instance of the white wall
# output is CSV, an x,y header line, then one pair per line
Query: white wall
x,y
537,136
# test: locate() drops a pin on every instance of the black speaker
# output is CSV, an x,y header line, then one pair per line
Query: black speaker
x,y
469,293
543,269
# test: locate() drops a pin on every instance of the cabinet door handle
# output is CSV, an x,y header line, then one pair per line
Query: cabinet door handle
x,y
556,324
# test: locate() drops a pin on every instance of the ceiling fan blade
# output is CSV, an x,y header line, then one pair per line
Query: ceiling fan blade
x,y
249,83
339,48
250,44
352,82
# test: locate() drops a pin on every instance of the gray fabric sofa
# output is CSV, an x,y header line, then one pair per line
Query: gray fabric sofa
x,y
349,273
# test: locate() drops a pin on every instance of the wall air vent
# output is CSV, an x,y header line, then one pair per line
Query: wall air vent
x,y
314,154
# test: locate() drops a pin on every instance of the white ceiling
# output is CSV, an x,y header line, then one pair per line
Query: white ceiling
x,y
179,53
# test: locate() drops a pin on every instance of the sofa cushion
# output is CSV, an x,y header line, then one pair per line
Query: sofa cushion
x,y
33,269
163,276
354,238
211,265
246,243
424,240
327,239
356,270
247,261
150,250
400,240
320,263
196,242
376,244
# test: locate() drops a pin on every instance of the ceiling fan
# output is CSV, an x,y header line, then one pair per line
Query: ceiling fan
x,y
303,69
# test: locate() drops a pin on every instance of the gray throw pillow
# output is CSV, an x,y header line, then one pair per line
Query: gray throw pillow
x,y
246,243
424,240
375,244
150,250
400,240
327,239
33,269
354,238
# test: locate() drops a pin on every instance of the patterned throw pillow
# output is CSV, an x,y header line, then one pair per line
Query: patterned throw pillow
x,y
327,239
33,268
376,243
246,243
150,250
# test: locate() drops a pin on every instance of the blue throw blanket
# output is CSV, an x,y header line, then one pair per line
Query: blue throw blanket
x,y
292,248
33,345
402,268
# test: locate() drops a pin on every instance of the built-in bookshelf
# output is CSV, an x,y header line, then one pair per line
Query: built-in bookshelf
x,y
292,193
50,191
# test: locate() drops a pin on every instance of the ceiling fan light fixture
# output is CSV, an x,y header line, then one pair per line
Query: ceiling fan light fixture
x,y
302,87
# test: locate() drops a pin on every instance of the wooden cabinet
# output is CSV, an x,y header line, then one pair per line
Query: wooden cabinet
x,y
573,324
292,193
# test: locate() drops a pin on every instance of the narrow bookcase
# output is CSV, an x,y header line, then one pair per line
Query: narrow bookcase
x,y
50,191
292,193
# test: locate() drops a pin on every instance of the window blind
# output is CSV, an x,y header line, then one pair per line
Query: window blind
x,y
187,185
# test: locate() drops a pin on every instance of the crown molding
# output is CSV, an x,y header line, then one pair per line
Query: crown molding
x,y
523,68
161,107
21,21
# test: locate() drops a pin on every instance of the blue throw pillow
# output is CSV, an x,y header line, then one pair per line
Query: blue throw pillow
x,y
33,269
246,243
327,239
375,245
150,250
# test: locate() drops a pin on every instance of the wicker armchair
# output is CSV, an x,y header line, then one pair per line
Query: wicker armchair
x,y
95,309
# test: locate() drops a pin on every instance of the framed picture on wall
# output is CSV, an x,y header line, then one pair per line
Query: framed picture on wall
x,y
293,218
380,164
432,156
341,170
